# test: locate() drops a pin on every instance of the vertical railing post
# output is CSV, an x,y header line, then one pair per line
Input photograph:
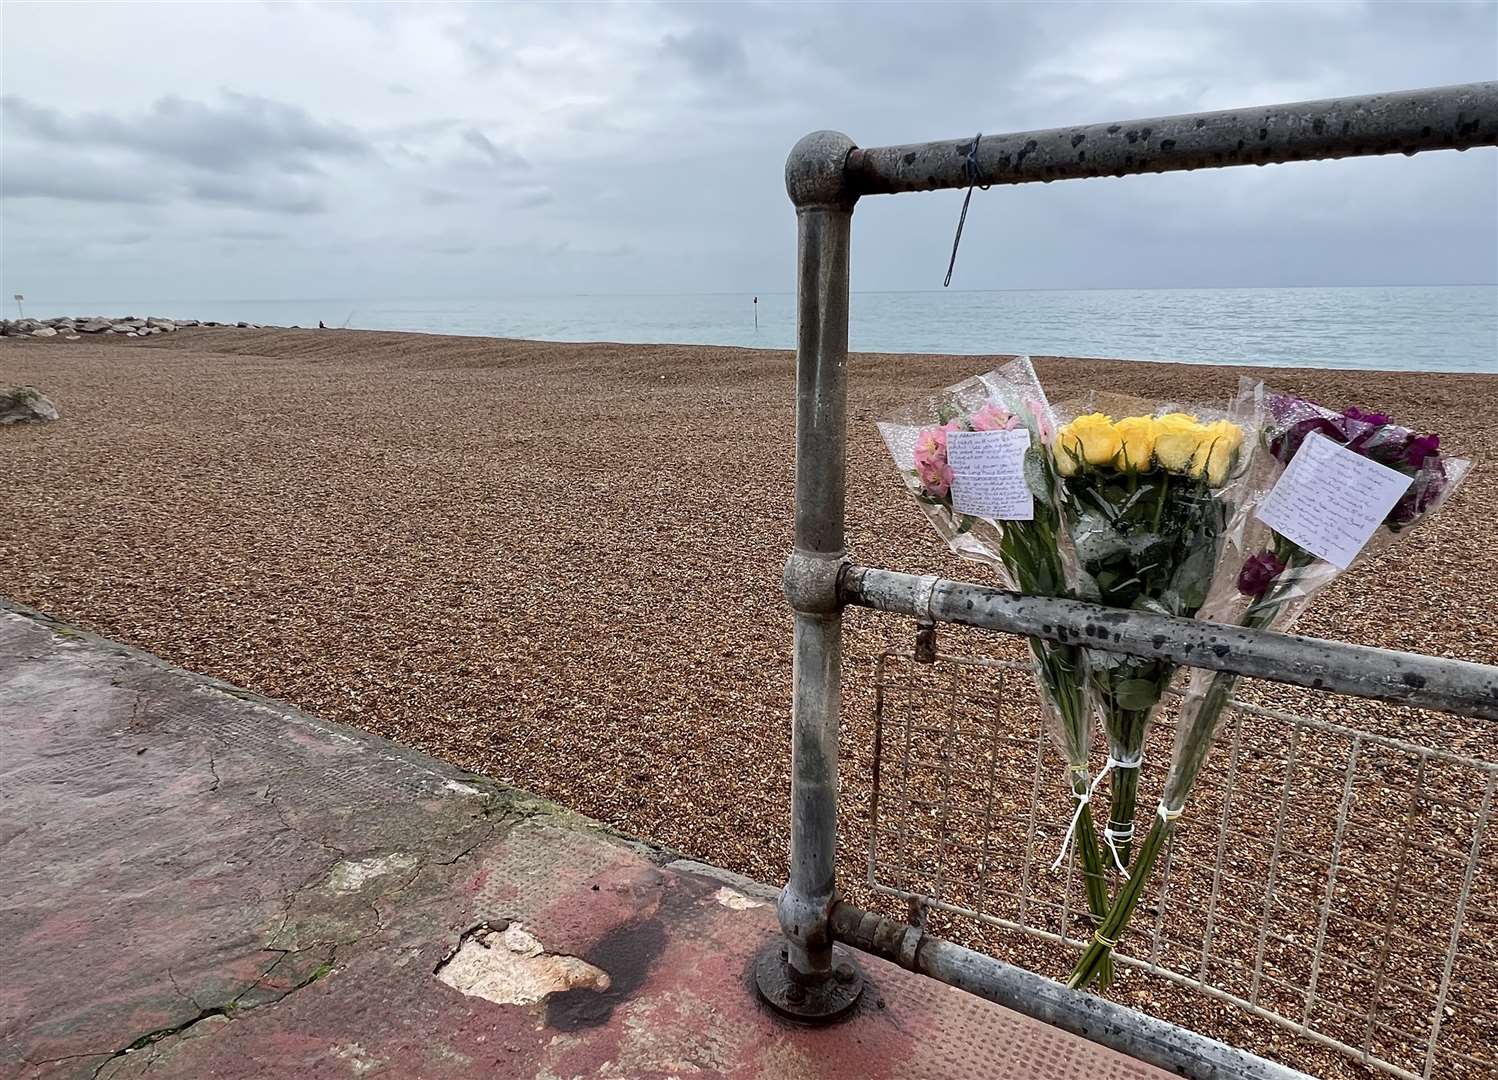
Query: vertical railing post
x,y
800,976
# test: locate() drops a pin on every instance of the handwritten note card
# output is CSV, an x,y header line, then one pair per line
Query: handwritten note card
x,y
1331,500
988,474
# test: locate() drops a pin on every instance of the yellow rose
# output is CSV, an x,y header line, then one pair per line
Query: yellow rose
x,y
1137,433
1217,450
1091,438
1177,436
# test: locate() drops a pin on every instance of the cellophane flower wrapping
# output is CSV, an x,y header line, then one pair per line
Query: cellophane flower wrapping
x,y
1149,489
1265,580
1029,556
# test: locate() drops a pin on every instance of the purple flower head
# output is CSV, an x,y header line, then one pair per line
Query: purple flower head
x,y
1377,419
1258,573
1362,431
1423,494
1420,448
1284,445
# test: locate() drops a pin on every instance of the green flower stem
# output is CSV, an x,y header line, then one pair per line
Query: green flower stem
x,y
1057,669
1121,808
1196,742
1095,872
1164,487
1098,956
1126,729
1030,552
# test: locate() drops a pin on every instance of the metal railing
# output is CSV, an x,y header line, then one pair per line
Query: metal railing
x,y
1333,881
805,976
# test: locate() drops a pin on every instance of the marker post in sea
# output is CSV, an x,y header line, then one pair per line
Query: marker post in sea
x,y
756,314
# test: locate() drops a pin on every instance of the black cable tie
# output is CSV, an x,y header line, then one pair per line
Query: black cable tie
x,y
973,176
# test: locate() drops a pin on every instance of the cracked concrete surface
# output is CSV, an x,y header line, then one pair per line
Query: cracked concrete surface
x,y
199,882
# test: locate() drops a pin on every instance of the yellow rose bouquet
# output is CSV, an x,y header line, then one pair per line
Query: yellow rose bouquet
x,y
1325,490
1146,500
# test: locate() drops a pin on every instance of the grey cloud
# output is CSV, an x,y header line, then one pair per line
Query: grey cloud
x,y
554,249
482,55
239,131
241,151
526,199
709,54
455,248
254,235
416,129
72,179
126,239
274,197
414,157
532,247
498,157
656,134
439,197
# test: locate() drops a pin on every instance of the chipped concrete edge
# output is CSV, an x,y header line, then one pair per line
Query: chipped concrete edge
x,y
518,799
746,885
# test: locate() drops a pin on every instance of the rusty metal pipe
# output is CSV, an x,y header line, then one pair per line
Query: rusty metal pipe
x,y
1165,1045
1440,118
825,176
814,179
1428,682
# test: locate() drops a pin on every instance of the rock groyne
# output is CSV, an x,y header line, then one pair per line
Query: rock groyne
x,y
73,327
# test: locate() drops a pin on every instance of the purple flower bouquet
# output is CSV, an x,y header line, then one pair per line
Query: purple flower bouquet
x,y
1332,489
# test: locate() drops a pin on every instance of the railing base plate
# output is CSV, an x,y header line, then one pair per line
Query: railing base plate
x,y
823,1002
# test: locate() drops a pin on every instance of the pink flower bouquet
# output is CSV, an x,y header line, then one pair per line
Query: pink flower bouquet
x,y
975,458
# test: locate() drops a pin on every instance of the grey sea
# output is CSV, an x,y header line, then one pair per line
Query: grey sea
x,y
1424,328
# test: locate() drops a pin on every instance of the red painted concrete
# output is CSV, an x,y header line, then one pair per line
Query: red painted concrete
x,y
237,889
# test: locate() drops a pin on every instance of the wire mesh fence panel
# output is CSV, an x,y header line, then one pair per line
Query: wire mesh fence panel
x,y
1336,882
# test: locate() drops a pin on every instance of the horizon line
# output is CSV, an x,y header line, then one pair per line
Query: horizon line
x,y
751,293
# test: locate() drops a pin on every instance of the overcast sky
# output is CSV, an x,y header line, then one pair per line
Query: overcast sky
x,y
290,150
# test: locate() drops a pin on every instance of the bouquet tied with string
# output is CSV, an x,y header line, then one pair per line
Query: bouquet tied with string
x,y
975,458
1147,498
1327,490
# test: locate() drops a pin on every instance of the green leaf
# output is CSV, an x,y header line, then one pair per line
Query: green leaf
x,y
1087,588
1038,476
1194,578
1136,694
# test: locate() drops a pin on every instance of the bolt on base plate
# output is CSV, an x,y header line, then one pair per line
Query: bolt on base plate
x,y
807,1003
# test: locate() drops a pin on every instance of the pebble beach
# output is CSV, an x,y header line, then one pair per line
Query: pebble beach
x,y
559,564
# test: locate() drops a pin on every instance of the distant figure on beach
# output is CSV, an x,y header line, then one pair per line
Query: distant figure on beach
x,y
321,325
